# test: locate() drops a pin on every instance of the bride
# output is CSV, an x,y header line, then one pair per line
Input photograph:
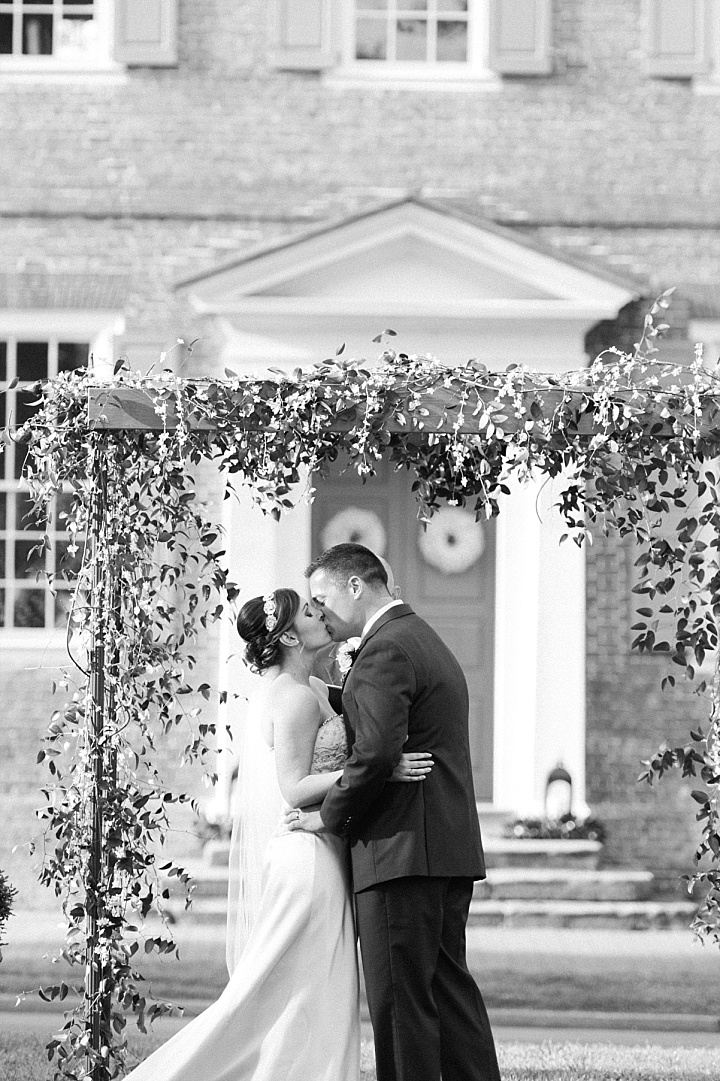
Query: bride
x,y
290,1009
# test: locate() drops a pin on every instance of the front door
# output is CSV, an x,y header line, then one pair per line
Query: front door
x,y
458,603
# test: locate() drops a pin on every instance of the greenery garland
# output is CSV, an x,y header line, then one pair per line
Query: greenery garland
x,y
630,438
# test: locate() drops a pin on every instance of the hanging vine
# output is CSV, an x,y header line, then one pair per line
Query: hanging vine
x,y
628,440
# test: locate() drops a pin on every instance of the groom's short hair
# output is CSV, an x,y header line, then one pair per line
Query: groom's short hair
x,y
342,561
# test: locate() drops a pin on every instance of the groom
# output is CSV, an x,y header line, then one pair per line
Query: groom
x,y
415,848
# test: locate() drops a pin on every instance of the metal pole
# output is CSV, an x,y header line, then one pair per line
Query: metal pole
x,y
94,998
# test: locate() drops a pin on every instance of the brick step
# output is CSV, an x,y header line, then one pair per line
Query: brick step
x,y
563,884
519,852
502,884
621,915
499,852
208,880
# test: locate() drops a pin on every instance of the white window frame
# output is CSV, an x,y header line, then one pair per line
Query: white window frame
x,y
475,72
98,329
16,64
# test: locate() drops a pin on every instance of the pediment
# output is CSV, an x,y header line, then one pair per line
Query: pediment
x,y
404,257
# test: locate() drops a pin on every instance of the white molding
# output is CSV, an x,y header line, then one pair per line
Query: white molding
x,y
239,287
56,322
494,308
350,79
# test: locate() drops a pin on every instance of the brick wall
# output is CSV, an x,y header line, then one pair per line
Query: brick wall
x,y
628,717
224,134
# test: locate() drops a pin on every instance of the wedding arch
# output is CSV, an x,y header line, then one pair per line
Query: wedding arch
x,y
630,438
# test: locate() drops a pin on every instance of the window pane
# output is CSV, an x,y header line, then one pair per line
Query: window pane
x,y
411,39
3,399
2,607
72,355
2,558
37,35
372,5
412,5
3,355
452,5
25,406
30,608
6,33
63,505
63,604
24,518
32,360
370,39
452,41
67,565
29,558
76,36
3,524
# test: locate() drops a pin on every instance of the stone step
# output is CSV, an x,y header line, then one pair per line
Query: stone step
x,y
563,884
202,910
499,851
208,880
502,883
521,852
622,915
216,853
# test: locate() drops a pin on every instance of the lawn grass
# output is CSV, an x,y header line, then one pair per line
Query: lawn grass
x,y
659,980
22,1058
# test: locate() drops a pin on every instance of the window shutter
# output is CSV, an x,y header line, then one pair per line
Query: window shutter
x,y
677,37
146,32
300,33
521,37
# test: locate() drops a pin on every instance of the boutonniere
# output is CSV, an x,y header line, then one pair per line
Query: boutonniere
x,y
346,655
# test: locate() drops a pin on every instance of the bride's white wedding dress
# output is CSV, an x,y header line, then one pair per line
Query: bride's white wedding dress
x,y
290,1010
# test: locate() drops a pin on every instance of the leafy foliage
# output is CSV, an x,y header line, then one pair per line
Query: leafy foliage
x,y
629,440
7,895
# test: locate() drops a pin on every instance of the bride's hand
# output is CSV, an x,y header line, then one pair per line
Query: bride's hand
x,y
413,766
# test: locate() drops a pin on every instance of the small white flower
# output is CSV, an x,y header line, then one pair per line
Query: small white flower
x,y
346,655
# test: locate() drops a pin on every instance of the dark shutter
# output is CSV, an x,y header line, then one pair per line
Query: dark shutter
x,y
677,37
521,37
146,32
300,35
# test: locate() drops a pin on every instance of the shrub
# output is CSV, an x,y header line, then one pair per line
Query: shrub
x,y
7,894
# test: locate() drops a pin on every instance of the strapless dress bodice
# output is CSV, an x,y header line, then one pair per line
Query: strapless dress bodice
x,y
331,745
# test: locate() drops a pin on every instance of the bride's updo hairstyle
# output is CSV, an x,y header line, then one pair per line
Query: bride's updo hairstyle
x,y
261,623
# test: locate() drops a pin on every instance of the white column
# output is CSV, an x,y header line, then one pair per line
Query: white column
x,y
539,652
560,734
516,646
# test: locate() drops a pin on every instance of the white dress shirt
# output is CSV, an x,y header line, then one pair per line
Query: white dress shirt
x,y
381,611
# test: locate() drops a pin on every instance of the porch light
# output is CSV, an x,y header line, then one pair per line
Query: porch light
x,y
558,794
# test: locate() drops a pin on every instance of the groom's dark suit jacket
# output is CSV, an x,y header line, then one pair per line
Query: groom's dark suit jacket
x,y
406,692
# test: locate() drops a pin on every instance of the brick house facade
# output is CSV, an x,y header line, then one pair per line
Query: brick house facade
x,y
211,132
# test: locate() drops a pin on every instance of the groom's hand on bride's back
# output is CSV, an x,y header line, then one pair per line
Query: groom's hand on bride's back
x,y
413,766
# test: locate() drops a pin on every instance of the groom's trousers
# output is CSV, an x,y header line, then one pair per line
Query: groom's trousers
x,y
429,1019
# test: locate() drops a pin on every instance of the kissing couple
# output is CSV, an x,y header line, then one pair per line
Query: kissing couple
x,y
355,825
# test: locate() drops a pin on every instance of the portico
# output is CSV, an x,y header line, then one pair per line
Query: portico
x,y
456,289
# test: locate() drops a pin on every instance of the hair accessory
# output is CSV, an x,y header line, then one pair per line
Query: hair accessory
x,y
270,610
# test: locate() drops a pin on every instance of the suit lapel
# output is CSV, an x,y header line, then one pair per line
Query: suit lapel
x,y
395,612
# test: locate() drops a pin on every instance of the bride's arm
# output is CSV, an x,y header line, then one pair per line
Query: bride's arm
x,y
295,731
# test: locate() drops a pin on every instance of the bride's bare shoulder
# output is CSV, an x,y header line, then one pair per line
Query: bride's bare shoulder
x,y
287,696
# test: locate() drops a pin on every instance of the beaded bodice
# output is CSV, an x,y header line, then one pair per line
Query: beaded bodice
x,y
331,745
